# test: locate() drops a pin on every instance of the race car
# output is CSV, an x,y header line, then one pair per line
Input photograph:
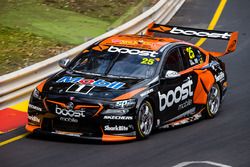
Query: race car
x,y
125,86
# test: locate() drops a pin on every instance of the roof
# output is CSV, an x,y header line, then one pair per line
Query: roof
x,y
137,41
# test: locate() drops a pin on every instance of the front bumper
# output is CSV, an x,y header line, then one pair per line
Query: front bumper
x,y
87,119
104,137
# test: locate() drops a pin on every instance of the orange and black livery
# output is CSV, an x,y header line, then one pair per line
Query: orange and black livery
x,y
125,86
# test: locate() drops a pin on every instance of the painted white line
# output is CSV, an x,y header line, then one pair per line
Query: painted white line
x,y
182,164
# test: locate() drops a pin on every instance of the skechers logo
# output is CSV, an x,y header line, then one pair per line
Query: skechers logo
x,y
176,30
70,113
111,117
114,49
180,93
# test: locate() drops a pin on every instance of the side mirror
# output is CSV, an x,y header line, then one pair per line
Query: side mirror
x,y
64,62
170,74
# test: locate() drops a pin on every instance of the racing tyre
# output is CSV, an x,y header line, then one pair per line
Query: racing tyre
x,y
145,120
213,101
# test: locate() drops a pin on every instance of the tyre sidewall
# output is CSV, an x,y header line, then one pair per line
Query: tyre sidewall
x,y
139,133
208,113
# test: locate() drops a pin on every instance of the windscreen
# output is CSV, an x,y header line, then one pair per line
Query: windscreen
x,y
119,62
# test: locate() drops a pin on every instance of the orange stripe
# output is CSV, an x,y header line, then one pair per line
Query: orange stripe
x,y
85,106
31,128
40,86
112,138
100,109
129,94
55,102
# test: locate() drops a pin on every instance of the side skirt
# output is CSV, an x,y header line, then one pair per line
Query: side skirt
x,y
182,121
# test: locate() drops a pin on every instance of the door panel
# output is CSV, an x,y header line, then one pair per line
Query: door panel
x,y
176,96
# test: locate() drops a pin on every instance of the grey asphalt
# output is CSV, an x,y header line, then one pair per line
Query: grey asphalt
x,y
224,139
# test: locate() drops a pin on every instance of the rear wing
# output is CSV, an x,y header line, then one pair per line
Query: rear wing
x,y
231,37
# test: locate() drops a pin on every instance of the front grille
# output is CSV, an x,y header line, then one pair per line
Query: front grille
x,y
90,109
89,128
87,124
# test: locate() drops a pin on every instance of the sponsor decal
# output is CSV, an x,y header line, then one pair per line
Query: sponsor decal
x,y
124,103
176,30
146,92
114,49
187,113
70,112
124,42
185,104
220,77
82,82
215,66
68,119
35,107
180,93
115,128
34,118
185,120
136,43
112,117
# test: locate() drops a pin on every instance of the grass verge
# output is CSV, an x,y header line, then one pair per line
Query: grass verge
x,y
34,30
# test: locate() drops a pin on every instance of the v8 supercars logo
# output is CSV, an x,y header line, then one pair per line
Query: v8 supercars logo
x,y
180,93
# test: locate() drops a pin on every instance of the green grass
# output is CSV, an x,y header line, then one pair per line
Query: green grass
x,y
34,30
130,14
108,10
59,25
19,49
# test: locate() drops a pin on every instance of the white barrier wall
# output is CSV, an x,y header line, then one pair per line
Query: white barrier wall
x,y
17,86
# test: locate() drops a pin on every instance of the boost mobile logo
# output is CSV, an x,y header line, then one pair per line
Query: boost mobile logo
x,y
70,113
176,30
133,51
175,96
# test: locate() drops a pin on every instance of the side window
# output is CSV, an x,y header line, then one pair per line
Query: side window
x,y
173,61
192,56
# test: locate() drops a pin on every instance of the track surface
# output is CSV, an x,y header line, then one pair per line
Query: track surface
x,y
225,139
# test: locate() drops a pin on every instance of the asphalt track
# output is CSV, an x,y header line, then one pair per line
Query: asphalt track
x,y
225,139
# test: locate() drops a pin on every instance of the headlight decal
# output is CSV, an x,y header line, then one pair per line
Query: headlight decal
x,y
37,94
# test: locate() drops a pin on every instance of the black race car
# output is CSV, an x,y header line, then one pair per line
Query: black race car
x,y
123,87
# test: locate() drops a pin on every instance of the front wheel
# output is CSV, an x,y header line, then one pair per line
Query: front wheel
x,y
145,120
213,101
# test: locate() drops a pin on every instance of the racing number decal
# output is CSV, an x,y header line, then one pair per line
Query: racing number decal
x,y
192,59
190,53
147,61
80,88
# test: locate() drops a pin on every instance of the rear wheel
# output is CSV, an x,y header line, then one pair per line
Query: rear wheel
x,y
145,120
213,101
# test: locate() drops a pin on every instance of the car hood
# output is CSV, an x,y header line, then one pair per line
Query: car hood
x,y
80,85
